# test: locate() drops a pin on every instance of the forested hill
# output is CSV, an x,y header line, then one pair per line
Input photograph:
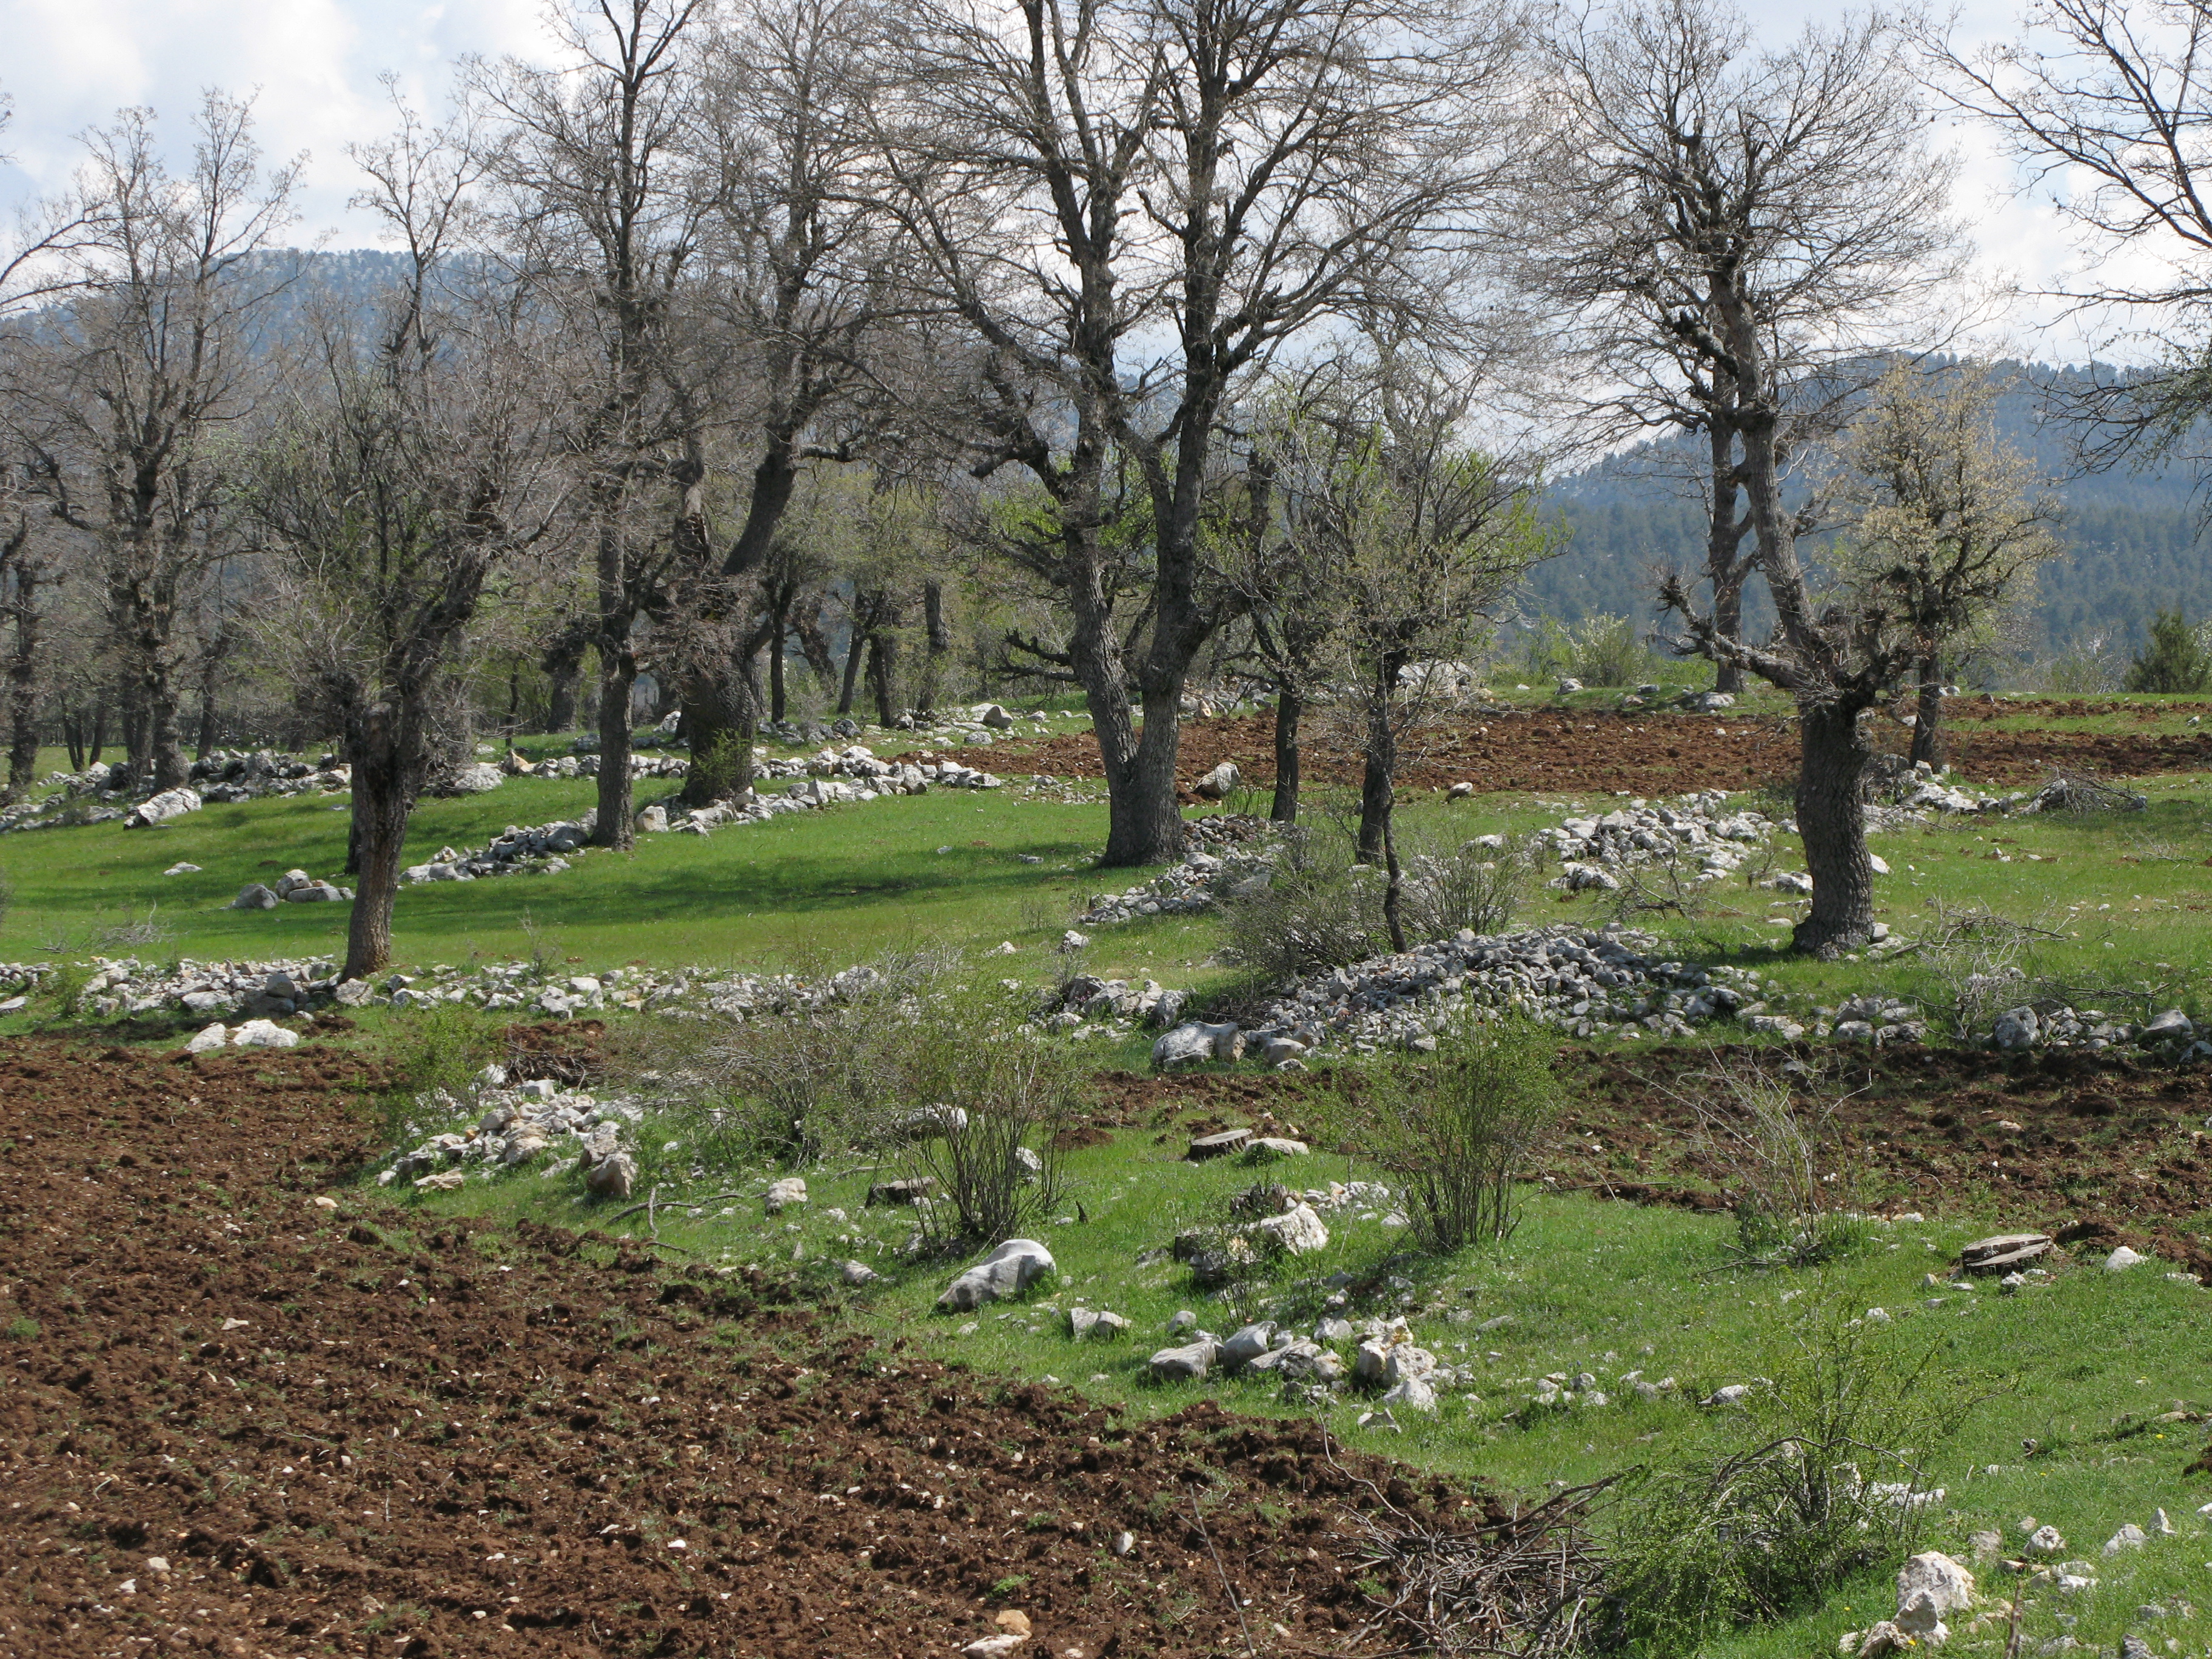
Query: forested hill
x,y
2135,540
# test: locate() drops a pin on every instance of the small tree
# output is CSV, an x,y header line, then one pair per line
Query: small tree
x,y
2175,660
1946,529
1411,541
1948,517
388,496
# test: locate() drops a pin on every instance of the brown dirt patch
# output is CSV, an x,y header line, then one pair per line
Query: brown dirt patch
x,y
1585,752
361,1430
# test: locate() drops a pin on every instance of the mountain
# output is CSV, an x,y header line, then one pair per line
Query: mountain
x,y
2136,541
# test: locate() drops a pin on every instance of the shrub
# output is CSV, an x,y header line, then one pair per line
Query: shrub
x,y
1457,1127
444,1048
1322,910
1608,653
1822,1477
992,1096
2084,668
1788,1162
2175,660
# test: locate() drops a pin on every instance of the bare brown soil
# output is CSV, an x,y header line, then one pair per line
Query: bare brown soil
x,y
360,1430
1569,751
2101,1147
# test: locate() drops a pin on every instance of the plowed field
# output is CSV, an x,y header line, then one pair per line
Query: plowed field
x,y
1567,752
236,1420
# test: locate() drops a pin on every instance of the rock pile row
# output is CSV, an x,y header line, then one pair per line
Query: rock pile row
x,y
1199,882
1699,827
514,1126
1084,999
542,849
261,990
2172,1033
294,887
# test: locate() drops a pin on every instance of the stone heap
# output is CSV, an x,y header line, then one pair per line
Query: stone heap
x,y
1199,882
19,981
258,990
1594,981
1112,1006
541,850
293,887
504,1128
2172,1033
1699,827
826,780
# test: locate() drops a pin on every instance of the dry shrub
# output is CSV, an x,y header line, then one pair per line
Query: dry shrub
x,y
1788,1160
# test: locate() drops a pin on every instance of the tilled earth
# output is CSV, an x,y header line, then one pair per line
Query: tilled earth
x,y
237,1420
2101,1147
1648,753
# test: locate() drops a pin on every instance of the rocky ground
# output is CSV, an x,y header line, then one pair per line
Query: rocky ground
x,y
250,1410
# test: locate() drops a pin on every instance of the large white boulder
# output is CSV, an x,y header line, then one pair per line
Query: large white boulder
x,y
1219,782
1007,1271
169,804
264,1034
1297,1231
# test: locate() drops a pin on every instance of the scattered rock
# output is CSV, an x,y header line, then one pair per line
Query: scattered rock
x,y
206,1037
2129,1537
2003,1252
264,1034
1220,782
1008,1271
857,1273
1297,1231
1216,1145
2123,1259
782,1195
1187,1364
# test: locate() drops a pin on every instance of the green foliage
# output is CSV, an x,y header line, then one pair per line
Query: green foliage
x,y
720,762
1457,1127
2175,660
23,1327
2088,667
1321,909
1786,1161
1602,650
444,1048
1821,1473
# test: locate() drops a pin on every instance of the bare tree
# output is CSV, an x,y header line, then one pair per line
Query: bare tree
x,y
1733,235
606,209
2105,108
1947,523
387,494
1133,205
1736,228
23,570
155,348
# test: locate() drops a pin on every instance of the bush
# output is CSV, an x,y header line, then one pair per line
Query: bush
x,y
1322,910
1787,1160
1819,1483
2174,660
1457,1127
1602,650
2086,668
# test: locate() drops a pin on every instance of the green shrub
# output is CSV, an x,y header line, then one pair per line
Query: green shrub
x,y
440,1048
1321,909
2175,660
1820,1476
1457,1127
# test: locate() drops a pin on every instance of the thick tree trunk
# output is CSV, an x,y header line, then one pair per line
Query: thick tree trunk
x,y
1833,825
1727,622
1724,569
99,728
203,745
73,735
617,673
778,705
856,650
1378,780
1928,714
1289,708
164,741
383,797
1143,824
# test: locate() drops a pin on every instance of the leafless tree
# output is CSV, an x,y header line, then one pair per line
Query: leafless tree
x,y
387,493
23,570
1735,228
152,348
1735,236
1133,205
2105,108
598,158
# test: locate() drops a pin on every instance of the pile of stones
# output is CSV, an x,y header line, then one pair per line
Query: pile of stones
x,y
853,777
514,1126
541,850
1085,1006
293,887
2172,1034
1202,881
1700,826
19,982
256,990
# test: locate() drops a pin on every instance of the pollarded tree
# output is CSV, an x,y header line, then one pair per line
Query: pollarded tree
x,y
1944,515
1732,234
1946,531
1133,206
394,484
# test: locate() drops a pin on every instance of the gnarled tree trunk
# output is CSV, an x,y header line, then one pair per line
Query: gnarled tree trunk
x,y
1289,708
1833,825
1928,713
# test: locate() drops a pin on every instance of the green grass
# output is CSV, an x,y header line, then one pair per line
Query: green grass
x,y
2081,1367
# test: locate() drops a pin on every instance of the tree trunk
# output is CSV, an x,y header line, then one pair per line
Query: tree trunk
x,y
940,646
1928,714
617,673
1833,825
1289,706
1394,891
1727,622
23,685
1378,782
99,728
73,735
203,745
564,663
164,741
383,798
777,704
855,650
882,675
1144,823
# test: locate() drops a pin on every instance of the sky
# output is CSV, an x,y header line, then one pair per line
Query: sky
x,y
314,67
